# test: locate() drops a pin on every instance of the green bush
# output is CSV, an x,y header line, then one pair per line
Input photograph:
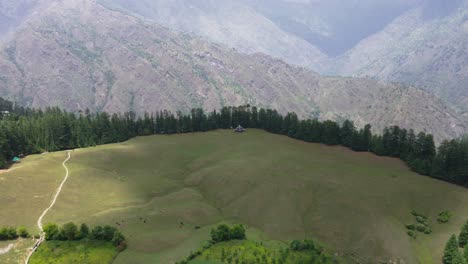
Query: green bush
x,y
444,217
224,233
52,232
8,233
411,234
420,219
427,230
411,227
23,232
420,227
305,245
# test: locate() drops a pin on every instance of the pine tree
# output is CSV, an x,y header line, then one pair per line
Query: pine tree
x,y
463,237
451,249
465,254
457,258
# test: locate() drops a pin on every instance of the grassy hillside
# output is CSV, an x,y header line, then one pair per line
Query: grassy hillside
x,y
282,189
71,252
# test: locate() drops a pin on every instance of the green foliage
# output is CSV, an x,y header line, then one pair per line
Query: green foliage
x,y
84,251
465,253
245,251
463,237
411,234
83,232
420,219
52,232
238,232
457,258
444,217
30,131
305,245
23,232
8,233
451,250
225,233
70,232
411,227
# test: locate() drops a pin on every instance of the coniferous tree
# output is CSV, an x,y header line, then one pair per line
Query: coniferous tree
x,y
463,237
451,249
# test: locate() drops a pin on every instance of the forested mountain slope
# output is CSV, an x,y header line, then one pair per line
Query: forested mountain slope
x,y
80,55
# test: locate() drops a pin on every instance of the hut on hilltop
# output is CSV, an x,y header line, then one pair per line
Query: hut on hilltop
x,y
239,129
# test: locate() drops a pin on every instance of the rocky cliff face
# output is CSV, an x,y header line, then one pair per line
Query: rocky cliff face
x,y
79,54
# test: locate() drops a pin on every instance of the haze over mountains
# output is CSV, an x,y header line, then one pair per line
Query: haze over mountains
x,y
416,42
113,56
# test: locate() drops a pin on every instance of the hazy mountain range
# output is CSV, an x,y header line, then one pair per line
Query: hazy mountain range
x,y
114,56
416,42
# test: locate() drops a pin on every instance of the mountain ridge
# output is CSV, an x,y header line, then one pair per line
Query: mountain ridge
x,y
72,54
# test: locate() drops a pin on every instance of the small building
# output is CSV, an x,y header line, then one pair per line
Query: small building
x,y
239,129
16,159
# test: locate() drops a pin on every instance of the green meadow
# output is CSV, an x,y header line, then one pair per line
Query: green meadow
x,y
166,192
72,252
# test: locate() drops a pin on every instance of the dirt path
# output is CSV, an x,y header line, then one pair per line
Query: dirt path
x,y
6,249
39,221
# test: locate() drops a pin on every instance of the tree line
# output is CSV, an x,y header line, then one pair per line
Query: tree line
x,y
71,232
27,131
12,233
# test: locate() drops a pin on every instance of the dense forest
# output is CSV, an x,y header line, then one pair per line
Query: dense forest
x,y
26,131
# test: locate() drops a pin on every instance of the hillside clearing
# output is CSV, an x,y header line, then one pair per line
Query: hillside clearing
x,y
282,189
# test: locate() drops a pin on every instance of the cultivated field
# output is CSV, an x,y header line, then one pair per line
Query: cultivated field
x,y
158,189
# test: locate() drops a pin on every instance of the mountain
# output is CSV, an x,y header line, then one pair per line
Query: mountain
x,y
231,23
81,55
422,43
12,13
431,53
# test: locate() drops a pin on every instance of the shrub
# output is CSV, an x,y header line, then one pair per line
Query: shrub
x,y
23,232
97,233
84,232
69,231
305,245
444,217
411,227
420,227
238,232
8,233
411,234
427,230
51,232
117,238
221,233
420,219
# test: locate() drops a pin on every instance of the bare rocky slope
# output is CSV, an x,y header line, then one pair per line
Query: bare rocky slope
x,y
80,54
428,53
415,42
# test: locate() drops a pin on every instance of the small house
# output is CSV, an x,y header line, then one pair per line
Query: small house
x,y
16,159
5,113
239,129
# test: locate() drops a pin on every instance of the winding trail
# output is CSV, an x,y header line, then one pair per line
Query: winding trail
x,y
6,249
39,221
